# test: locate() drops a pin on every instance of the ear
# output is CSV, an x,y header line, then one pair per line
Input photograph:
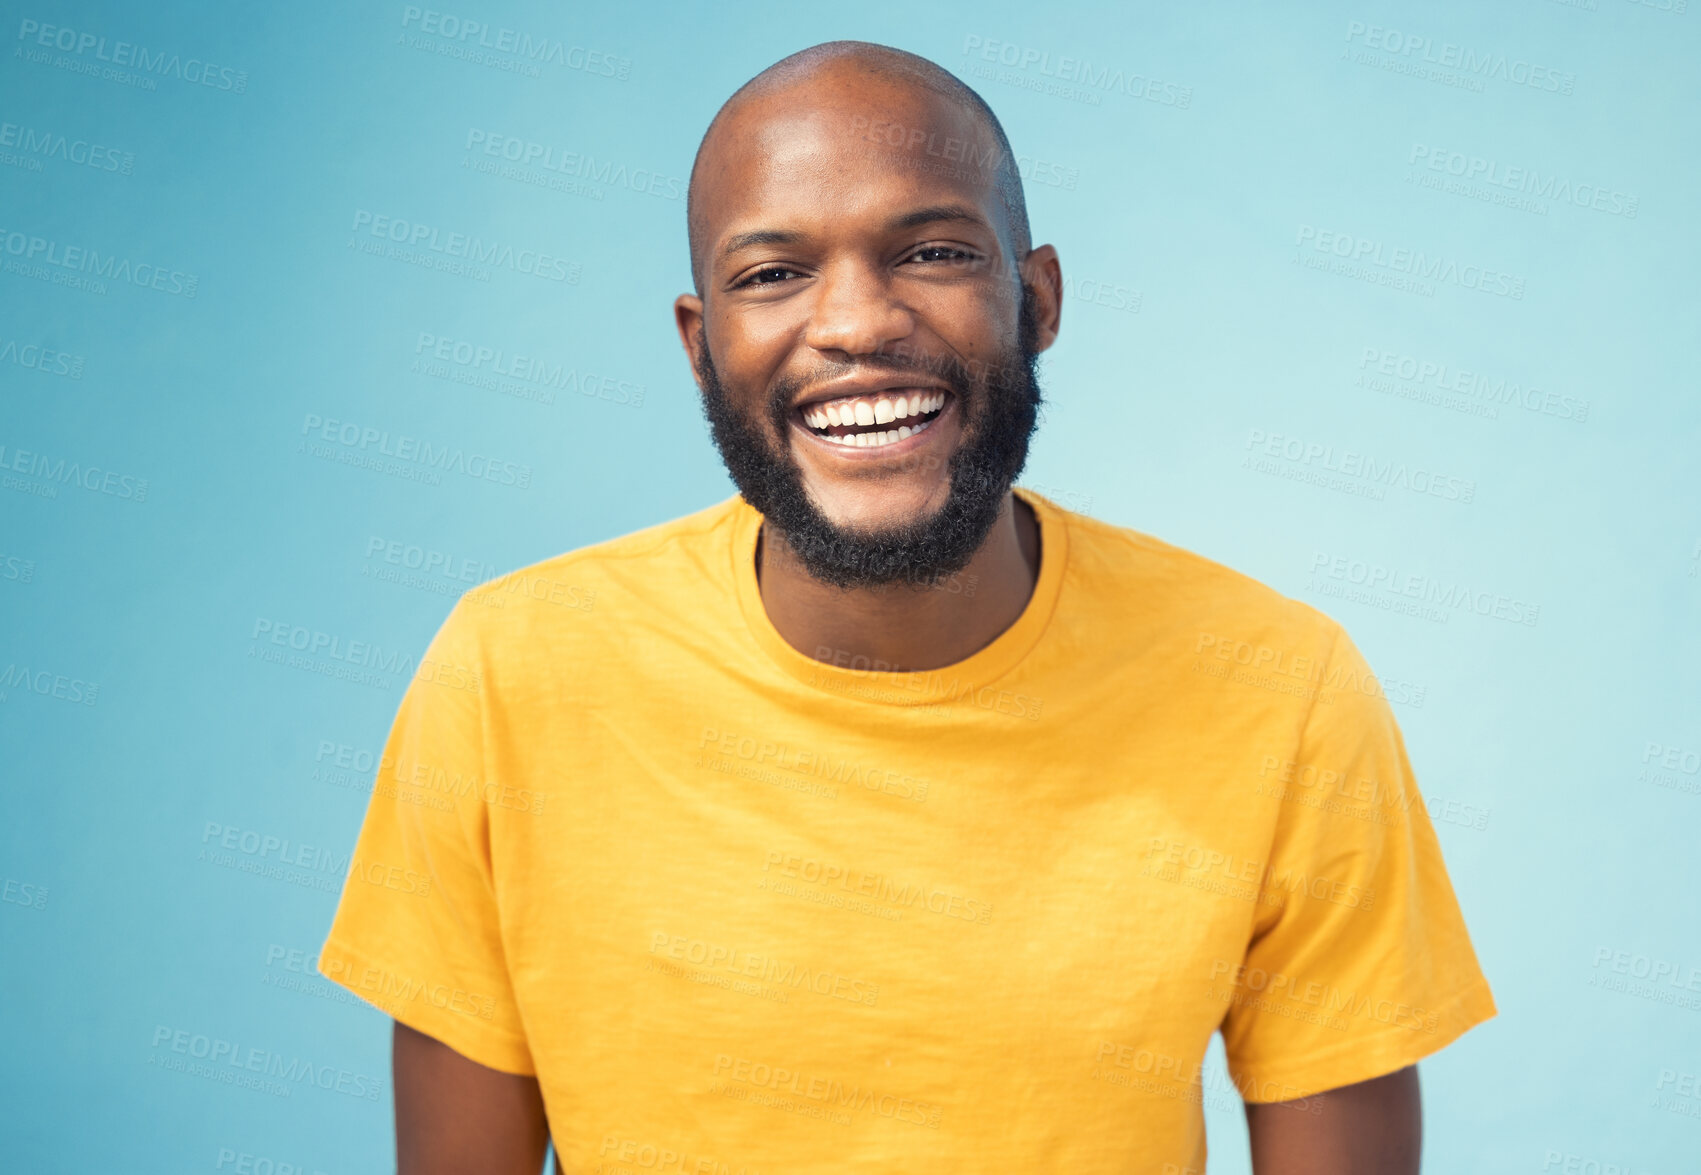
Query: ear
x,y
688,317
1041,271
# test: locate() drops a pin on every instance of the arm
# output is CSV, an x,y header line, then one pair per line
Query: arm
x,y
454,1115
1372,1128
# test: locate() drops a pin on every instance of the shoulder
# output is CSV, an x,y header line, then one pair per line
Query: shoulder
x,y
597,579
1225,612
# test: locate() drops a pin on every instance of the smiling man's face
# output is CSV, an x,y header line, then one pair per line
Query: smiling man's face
x,y
866,343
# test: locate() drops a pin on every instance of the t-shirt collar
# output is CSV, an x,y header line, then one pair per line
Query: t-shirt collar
x,y
946,683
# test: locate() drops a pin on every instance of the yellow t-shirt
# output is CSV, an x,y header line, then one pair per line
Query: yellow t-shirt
x,y
743,910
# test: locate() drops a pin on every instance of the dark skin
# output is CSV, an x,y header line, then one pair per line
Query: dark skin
x,y
847,280
1373,1127
454,1115
855,280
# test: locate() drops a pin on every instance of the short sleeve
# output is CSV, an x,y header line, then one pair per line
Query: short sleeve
x,y
416,932
1359,963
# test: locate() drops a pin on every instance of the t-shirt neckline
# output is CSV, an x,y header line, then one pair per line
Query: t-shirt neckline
x,y
945,683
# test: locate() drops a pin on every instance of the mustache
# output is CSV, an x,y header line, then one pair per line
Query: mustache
x,y
955,372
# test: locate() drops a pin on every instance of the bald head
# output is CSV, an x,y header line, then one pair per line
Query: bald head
x,y
845,68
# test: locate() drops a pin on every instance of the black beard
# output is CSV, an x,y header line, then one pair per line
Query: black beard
x,y
1000,412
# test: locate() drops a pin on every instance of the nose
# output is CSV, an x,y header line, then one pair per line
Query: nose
x,y
856,313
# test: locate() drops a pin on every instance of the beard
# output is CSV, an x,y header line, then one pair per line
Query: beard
x,y
1000,410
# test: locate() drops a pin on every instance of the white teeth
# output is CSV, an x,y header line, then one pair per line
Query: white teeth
x,y
874,440
882,411
866,412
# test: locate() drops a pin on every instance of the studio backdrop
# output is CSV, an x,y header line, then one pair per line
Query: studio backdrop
x,y
315,316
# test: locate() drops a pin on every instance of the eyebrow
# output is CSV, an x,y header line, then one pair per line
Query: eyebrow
x,y
932,214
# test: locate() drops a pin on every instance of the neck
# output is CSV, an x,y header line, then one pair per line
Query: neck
x,y
903,627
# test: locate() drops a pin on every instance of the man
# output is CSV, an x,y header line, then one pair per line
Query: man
x,y
883,818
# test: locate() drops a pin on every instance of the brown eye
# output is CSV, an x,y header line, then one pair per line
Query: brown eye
x,y
758,278
950,254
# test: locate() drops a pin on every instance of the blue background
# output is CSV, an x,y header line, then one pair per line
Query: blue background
x,y
1561,758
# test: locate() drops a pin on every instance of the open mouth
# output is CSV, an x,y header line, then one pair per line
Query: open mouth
x,y
875,420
